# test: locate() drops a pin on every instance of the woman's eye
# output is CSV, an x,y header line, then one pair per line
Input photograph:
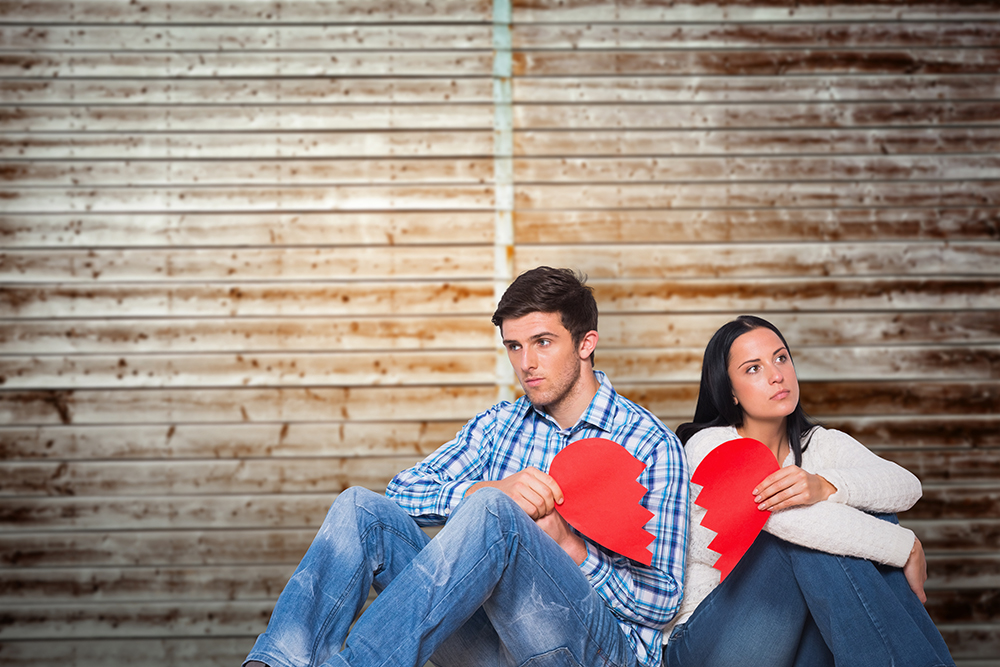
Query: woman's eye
x,y
753,369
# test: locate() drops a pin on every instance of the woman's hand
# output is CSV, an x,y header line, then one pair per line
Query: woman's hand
x,y
915,570
789,487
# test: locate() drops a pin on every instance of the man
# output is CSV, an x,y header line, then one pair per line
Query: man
x,y
506,581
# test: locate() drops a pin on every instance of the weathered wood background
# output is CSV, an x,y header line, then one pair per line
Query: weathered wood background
x,y
251,249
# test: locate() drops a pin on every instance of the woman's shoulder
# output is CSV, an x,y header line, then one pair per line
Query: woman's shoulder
x,y
707,439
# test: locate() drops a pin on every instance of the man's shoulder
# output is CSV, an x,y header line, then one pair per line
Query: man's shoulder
x,y
641,425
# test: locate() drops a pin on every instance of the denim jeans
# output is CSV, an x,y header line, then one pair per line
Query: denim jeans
x,y
789,605
490,589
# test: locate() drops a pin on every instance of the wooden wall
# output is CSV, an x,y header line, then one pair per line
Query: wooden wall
x,y
251,249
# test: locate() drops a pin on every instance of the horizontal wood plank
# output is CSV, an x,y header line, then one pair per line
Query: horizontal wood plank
x,y
133,513
259,335
224,64
288,369
428,171
300,264
266,12
143,652
791,194
957,502
274,299
721,34
227,118
757,224
135,619
165,442
242,90
155,548
623,330
757,62
736,115
317,37
433,403
228,228
736,141
732,259
136,584
692,168
960,466
449,262
702,11
264,478
768,89
263,144
969,536
191,198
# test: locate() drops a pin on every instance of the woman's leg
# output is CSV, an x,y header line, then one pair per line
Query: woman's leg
x,y
867,613
756,617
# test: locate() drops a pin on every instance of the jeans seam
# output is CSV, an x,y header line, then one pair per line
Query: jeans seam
x,y
871,617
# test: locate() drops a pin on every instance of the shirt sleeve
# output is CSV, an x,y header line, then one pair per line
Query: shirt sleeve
x,y
432,489
650,595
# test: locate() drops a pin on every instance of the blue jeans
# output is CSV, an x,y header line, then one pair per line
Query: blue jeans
x,y
491,589
788,605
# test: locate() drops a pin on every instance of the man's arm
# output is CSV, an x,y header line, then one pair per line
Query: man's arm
x,y
430,490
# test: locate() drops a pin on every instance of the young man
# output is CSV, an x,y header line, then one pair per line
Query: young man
x,y
506,581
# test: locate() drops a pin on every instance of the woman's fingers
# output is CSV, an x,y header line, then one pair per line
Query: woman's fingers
x,y
789,487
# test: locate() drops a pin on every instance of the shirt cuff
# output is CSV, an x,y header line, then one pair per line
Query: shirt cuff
x,y
596,566
451,495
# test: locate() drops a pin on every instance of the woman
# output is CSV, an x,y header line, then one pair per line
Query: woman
x,y
825,582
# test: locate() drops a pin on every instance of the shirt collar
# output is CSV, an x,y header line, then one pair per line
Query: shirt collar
x,y
599,413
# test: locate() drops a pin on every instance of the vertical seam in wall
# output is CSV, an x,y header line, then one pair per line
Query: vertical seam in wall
x,y
503,174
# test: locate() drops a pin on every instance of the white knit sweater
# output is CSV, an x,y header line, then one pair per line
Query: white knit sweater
x,y
838,525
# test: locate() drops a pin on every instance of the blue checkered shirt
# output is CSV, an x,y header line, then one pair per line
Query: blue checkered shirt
x,y
510,437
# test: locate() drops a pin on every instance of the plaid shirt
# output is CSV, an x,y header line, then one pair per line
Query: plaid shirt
x,y
510,437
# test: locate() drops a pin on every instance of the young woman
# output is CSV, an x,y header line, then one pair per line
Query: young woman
x,y
826,582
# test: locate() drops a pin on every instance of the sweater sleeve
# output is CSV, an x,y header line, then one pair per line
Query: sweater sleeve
x,y
863,479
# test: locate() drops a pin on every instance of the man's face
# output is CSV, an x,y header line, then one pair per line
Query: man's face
x,y
547,363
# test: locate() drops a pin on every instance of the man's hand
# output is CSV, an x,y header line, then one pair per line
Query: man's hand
x,y
534,491
789,487
559,530
915,570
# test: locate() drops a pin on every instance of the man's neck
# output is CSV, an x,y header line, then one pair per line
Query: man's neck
x,y
567,411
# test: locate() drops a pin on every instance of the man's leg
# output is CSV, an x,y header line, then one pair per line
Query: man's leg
x,y
365,539
490,555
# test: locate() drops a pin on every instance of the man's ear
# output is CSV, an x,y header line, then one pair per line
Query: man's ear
x,y
588,344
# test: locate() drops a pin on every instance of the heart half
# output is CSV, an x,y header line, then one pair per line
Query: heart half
x,y
728,476
601,495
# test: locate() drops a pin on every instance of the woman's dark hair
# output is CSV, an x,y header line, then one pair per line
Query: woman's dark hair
x,y
548,290
715,395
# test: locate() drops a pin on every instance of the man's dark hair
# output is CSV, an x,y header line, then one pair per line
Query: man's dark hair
x,y
548,290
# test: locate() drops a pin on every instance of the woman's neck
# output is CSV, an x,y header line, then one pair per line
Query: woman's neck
x,y
774,435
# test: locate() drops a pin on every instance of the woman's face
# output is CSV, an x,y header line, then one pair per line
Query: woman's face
x,y
763,378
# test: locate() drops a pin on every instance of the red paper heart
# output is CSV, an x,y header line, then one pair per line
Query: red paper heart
x,y
601,495
728,476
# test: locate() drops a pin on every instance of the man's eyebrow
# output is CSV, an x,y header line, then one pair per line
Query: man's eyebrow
x,y
543,334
